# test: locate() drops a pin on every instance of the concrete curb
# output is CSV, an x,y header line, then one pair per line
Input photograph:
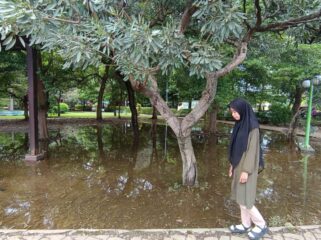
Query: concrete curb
x,y
311,232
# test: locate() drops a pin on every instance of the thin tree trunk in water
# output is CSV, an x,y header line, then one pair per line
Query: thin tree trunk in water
x,y
154,116
212,121
119,102
154,142
42,112
99,115
189,174
212,125
291,134
132,106
25,106
297,99
296,113
58,104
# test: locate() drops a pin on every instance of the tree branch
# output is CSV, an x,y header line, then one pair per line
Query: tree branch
x,y
289,23
238,58
63,20
258,13
152,92
244,6
186,18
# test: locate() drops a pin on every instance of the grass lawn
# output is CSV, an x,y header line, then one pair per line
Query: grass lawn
x,y
78,115
93,115
86,115
12,117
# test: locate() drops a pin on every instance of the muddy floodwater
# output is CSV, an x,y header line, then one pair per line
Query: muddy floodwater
x,y
94,178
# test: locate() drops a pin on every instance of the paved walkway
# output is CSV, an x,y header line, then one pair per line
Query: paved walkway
x,y
279,233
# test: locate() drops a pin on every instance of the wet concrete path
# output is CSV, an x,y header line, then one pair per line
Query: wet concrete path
x,y
275,233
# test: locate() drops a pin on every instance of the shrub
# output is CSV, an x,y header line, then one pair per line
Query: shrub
x,y
113,108
263,116
63,108
78,107
147,110
279,114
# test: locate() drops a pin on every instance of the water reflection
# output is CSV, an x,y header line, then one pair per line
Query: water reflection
x,y
99,177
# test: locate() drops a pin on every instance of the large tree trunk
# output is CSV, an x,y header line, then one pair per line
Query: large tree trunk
x,y
189,175
99,115
182,127
42,106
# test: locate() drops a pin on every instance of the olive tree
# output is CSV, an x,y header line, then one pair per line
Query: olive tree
x,y
142,38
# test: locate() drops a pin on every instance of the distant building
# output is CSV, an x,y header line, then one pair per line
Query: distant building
x,y
185,105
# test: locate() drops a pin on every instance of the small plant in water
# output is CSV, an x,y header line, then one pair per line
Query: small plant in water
x,y
175,187
276,221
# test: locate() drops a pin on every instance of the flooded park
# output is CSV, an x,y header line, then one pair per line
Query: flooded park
x,y
93,177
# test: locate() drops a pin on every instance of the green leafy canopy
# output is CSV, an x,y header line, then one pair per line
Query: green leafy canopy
x,y
89,32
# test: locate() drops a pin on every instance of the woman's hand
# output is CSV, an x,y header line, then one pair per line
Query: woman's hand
x,y
230,171
244,176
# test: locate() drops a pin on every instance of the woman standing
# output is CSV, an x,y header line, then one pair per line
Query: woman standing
x,y
245,160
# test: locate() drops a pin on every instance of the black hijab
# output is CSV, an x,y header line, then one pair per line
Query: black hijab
x,y
241,130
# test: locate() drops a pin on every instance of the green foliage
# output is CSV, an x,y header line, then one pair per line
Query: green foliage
x,y
220,20
78,107
3,102
263,116
251,80
272,73
145,36
13,80
105,28
63,108
280,114
71,97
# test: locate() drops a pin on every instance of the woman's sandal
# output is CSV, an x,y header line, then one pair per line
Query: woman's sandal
x,y
257,232
239,229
